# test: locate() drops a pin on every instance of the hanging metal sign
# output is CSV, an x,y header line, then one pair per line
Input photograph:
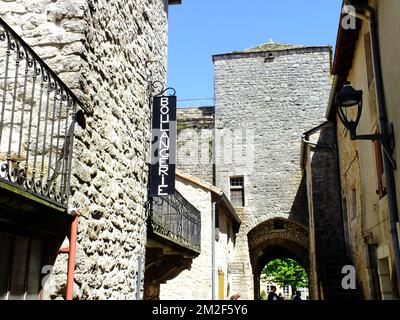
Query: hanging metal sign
x,y
163,146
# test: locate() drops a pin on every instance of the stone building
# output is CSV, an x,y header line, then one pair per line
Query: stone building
x,y
203,279
175,237
266,97
105,52
366,56
195,141
206,279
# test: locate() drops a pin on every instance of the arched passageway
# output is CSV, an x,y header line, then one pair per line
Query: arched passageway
x,y
277,238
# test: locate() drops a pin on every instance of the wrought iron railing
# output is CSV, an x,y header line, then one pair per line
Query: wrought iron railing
x,y
176,219
37,121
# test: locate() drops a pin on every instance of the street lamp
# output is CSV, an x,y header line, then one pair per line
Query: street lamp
x,y
350,102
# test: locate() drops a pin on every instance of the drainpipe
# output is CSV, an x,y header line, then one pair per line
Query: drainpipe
x,y
213,268
72,257
384,126
139,278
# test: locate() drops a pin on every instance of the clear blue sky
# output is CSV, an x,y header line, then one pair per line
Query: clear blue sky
x,y
200,28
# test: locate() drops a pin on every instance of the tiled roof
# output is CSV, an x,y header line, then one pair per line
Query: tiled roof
x,y
272,46
268,47
218,191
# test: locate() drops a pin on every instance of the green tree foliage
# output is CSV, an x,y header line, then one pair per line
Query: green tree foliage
x,y
285,272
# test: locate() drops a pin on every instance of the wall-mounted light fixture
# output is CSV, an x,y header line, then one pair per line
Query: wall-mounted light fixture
x,y
350,104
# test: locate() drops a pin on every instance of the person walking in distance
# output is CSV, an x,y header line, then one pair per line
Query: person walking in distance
x,y
272,295
297,296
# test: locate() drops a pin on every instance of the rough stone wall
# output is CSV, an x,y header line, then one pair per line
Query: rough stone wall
x,y
270,104
324,200
100,49
325,196
276,237
195,142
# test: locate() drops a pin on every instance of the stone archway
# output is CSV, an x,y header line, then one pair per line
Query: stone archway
x,y
275,238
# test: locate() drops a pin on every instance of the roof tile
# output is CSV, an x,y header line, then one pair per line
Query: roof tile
x,y
272,46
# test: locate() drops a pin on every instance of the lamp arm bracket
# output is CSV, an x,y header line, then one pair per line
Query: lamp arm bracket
x,y
158,89
386,138
387,141
373,137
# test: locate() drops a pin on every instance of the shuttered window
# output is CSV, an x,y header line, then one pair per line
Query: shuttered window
x,y
381,190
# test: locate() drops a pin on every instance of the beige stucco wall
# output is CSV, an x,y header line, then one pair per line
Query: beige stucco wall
x,y
224,254
357,158
356,166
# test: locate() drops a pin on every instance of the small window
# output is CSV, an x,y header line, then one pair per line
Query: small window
x,y
237,191
286,290
269,57
381,190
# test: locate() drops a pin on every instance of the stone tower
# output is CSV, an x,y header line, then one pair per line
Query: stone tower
x,y
265,98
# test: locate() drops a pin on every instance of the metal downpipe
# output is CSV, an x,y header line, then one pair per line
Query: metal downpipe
x,y
213,268
72,258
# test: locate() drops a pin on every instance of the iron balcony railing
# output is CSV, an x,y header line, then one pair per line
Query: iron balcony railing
x,y
177,220
37,121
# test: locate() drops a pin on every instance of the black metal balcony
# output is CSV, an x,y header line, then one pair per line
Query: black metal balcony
x,y
176,220
38,113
